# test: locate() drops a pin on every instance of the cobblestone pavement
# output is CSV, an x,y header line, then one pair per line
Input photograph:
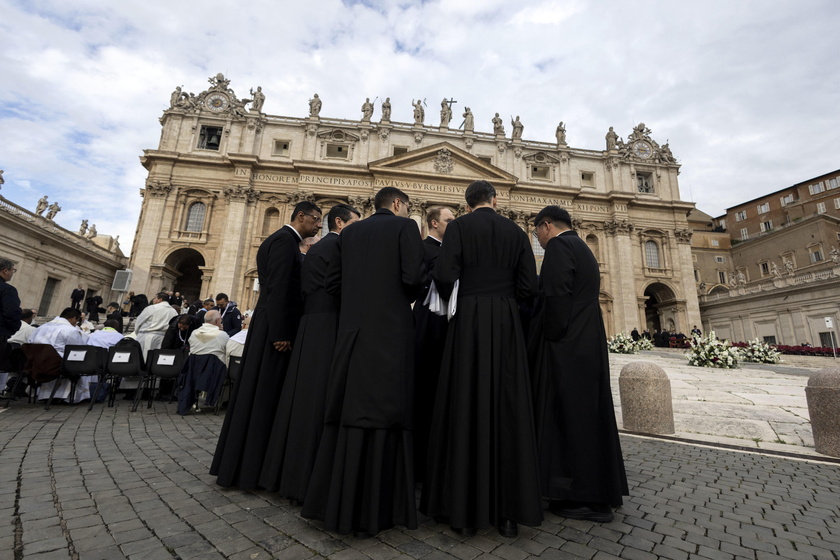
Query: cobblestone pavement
x,y
111,484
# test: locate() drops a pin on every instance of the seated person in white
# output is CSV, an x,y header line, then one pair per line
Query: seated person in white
x,y
59,333
205,370
236,344
108,336
209,338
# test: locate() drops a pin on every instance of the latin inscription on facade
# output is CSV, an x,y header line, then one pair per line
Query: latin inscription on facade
x,y
337,181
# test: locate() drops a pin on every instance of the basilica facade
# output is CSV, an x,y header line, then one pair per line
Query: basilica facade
x,y
226,175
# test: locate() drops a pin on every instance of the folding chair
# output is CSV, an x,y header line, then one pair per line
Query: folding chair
x,y
79,360
126,362
164,364
13,360
40,363
233,371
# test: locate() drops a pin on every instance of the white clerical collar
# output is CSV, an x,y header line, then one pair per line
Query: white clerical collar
x,y
436,239
294,230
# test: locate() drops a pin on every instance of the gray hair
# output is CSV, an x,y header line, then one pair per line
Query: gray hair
x,y
212,316
6,264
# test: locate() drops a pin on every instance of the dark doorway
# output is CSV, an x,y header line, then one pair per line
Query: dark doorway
x,y
186,263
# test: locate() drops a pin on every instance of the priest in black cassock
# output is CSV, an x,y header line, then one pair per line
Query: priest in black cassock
x,y
482,467
300,416
363,478
242,443
430,339
581,467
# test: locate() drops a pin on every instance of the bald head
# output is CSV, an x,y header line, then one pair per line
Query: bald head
x,y
213,317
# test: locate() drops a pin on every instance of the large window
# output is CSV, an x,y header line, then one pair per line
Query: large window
x,y
195,217
816,188
745,234
652,254
821,207
742,215
763,208
766,226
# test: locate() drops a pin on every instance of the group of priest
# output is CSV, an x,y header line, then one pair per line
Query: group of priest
x,y
348,396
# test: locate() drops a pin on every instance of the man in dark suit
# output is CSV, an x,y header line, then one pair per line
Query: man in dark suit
x,y
300,417
10,311
244,437
76,297
362,479
581,467
231,316
429,338
482,467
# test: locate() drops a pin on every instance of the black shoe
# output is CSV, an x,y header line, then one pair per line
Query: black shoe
x,y
600,513
508,528
362,535
295,503
464,532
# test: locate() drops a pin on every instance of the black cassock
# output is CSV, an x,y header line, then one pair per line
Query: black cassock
x,y
250,415
363,478
482,452
580,453
430,339
300,416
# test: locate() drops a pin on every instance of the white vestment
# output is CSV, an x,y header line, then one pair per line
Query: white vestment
x,y
236,345
209,339
59,333
151,325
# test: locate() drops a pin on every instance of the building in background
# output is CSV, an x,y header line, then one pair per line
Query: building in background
x,y
52,261
780,279
225,176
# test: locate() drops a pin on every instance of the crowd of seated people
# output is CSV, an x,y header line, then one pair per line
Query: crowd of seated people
x,y
203,327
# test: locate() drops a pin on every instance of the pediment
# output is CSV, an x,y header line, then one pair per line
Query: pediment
x,y
442,161
541,158
338,135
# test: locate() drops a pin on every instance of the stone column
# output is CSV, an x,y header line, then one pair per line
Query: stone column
x,y
624,278
228,277
206,282
686,266
417,212
148,232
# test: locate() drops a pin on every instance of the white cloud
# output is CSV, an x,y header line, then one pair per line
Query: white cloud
x,y
745,92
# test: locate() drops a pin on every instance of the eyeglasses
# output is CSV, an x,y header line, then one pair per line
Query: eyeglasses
x,y
314,217
538,226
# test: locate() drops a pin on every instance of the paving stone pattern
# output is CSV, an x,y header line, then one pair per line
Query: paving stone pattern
x,y
111,484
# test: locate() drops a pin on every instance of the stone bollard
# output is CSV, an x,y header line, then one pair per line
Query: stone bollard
x,y
646,399
823,395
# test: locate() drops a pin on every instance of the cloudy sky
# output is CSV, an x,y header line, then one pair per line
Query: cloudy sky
x,y
747,92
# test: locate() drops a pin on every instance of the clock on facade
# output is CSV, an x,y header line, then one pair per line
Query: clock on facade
x,y
217,102
642,149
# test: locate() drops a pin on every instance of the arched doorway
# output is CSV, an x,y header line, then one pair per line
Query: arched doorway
x,y
183,265
660,308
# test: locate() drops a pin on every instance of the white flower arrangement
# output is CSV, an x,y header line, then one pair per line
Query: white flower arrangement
x,y
710,351
760,352
622,344
644,344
